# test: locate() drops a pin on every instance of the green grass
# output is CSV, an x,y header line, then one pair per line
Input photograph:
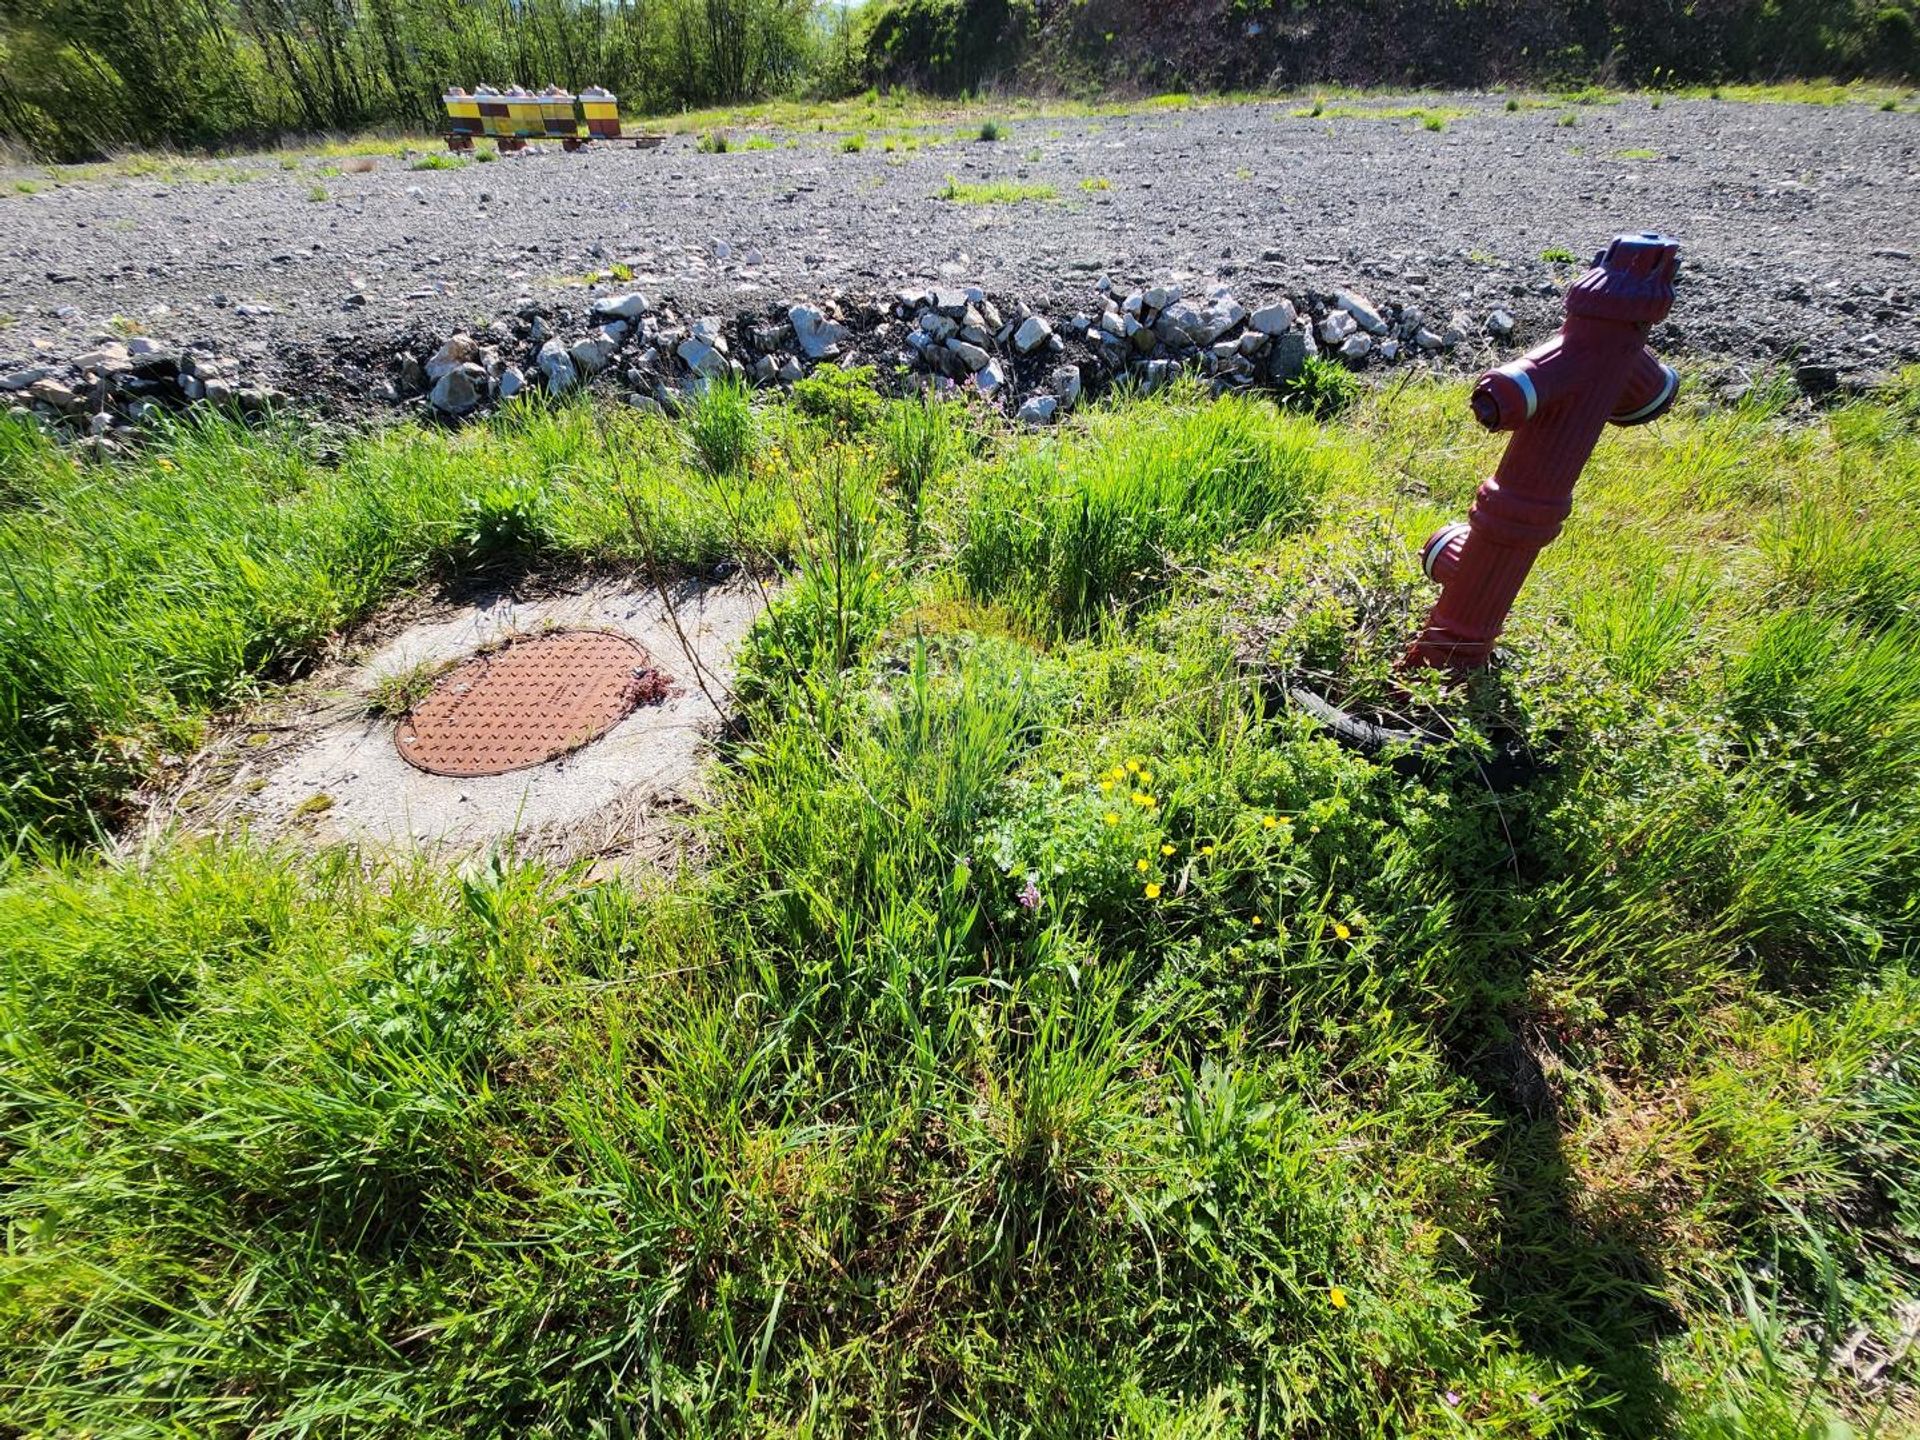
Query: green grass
x,y
995,192
438,162
1057,1036
1432,117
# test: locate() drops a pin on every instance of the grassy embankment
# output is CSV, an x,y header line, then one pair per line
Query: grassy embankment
x,y
1062,1040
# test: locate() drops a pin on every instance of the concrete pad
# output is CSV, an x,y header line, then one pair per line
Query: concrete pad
x,y
319,764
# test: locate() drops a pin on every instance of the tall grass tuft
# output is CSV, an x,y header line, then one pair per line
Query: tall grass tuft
x,y
1085,527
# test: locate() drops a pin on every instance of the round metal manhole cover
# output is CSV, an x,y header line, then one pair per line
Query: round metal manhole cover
x,y
529,701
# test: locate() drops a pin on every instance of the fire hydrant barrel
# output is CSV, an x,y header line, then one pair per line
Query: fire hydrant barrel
x,y
1556,400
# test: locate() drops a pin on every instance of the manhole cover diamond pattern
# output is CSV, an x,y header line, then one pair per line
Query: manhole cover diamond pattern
x,y
530,701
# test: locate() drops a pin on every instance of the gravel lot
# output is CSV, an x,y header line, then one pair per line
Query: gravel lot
x,y
1799,226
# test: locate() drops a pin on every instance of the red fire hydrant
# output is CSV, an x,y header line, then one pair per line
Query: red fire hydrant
x,y
1556,399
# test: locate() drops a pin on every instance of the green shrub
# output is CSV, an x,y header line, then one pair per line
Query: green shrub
x,y
843,400
1323,388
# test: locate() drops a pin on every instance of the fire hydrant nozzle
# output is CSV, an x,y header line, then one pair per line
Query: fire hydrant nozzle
x,y
1556,400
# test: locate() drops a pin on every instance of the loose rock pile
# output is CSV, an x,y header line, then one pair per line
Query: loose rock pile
x,y
956,338
108,391
952,337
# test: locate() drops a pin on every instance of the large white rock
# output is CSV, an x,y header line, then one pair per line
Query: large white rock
x,y
590,356
457,351
557,366
1040,410
817,336
1274,319
1066,384
1362,310
972,356
1337,326
622,307
703,357
454,393
1032,334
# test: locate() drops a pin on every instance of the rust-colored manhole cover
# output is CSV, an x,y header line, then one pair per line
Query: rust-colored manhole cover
x,y
529,701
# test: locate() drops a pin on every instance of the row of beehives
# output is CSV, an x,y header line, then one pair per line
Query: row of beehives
x,y
518,115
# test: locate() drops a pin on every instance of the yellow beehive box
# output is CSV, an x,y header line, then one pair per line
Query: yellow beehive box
x,y
557,116
525,111
495,118
463,112
602,109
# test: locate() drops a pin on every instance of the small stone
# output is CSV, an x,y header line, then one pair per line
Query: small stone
x,y
818,337
1161,296
1066,384
722,250
647,405
53,393
939,326
107,360
149,355
1040,410
1817,379
1459,327
616,307
990,378
951,303
1389,350
1274,319
100,424
512,382
1425,339
1500,325
791,370
21,379
1355,348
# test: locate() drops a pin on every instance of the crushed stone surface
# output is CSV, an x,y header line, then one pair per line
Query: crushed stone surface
x,y
1798,225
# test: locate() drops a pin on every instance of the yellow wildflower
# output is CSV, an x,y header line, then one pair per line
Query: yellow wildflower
x,y
1341,932
1166,849
1112,819
1268,823
1133,767
1141,866
1256,919
1206,849
1337,1298
1145,776
1153,891
1106,787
